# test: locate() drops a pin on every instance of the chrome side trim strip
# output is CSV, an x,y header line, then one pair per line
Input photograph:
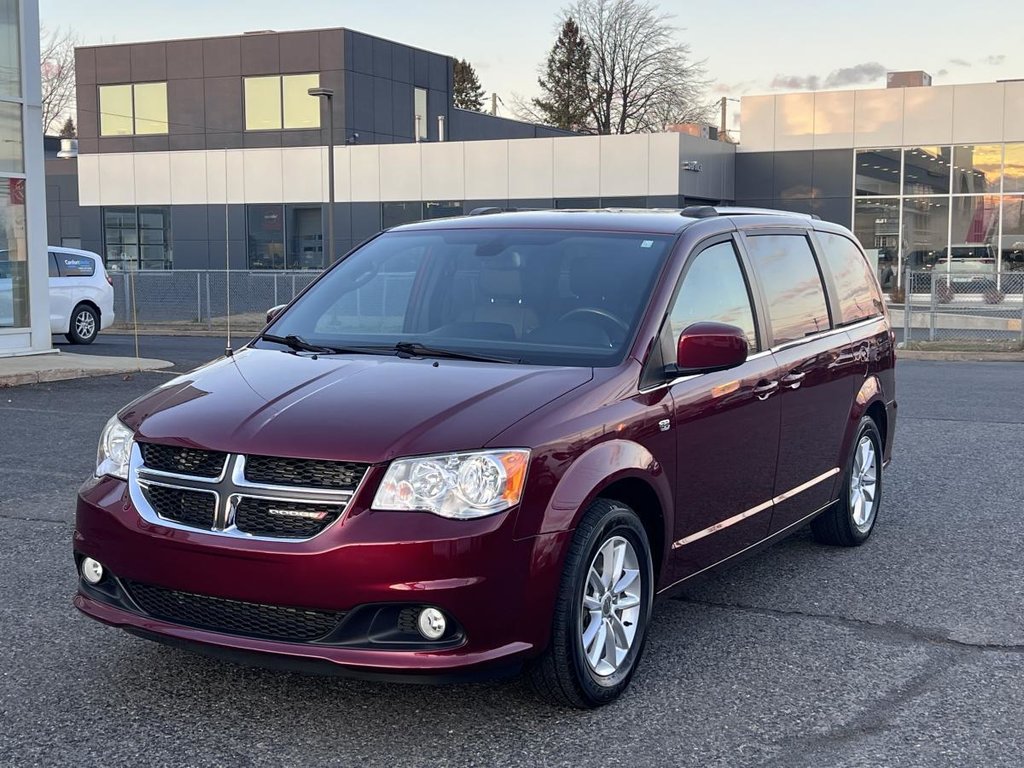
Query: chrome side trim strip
x,y
754,510
778,534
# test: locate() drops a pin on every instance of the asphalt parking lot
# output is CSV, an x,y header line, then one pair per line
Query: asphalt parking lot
x,y
908,651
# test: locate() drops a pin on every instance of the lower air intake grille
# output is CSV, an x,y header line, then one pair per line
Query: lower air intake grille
x,y
284,519
194,508
269,622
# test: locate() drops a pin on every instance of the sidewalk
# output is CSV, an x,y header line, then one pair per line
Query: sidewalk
x,y
33,369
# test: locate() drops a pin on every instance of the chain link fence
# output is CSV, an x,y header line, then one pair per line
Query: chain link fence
x,y
968,310
202,299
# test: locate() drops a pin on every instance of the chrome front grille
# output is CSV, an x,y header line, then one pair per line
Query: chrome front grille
x,y
217,493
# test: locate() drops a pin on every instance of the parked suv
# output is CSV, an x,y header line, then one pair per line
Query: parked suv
x,y
81,295
493,440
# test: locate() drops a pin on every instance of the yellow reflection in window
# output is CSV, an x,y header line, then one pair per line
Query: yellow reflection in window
x,y
115,110
300,109
150,108
263,103
1013,170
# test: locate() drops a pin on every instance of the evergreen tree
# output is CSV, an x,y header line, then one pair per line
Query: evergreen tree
x,y
565,102
68,131
467,92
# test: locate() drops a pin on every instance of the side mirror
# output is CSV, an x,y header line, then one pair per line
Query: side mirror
x,y
707,347
274,312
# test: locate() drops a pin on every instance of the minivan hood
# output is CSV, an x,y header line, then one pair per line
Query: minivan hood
x,y
366,408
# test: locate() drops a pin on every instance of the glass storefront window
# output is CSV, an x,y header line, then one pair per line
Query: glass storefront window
x,y
926,170
10,49
442,210
1013,169
300,109
13,255
116,110
878,171
266,236
977,168
150,108
11,155
925,231
263,103
1012,248
974,223
876,223
305,231
137,238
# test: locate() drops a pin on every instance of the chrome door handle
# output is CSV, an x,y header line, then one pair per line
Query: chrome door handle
x,y
764,389
793,379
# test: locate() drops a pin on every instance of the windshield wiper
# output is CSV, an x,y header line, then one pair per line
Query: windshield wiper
x,y
417,349
299,344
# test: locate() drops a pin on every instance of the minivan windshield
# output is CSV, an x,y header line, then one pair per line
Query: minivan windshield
x,y
538,297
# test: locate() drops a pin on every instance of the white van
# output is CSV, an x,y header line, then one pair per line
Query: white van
x,y
81,294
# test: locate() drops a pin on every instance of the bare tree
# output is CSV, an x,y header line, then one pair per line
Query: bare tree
x,y
642,76
57,66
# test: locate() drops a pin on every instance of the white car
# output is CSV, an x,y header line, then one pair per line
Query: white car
x,y
81,294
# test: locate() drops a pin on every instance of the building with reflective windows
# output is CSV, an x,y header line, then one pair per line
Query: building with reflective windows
x,y
921,174
24,309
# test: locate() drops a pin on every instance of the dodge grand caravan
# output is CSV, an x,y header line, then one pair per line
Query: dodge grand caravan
x,y
491,441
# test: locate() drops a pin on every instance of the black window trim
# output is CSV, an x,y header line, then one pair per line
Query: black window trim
x,y
826,285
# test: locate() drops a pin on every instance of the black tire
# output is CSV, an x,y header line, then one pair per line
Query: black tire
x,y
562,675
85,325
838,526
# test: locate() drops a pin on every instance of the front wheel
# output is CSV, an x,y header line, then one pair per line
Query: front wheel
x,y
85,325
602,612
850,520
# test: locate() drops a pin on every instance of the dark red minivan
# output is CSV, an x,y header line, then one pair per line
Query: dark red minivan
x,y
489,441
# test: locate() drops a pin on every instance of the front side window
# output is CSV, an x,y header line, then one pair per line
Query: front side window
x,y
281,101
139,109
537,297
856,290
714,290
792,285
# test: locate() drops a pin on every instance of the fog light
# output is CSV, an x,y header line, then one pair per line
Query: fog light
x,y
430,623
92,571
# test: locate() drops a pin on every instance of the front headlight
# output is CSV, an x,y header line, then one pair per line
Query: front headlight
x,y
461,486
115,450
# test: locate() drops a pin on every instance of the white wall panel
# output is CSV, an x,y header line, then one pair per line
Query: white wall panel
x,y
1013,112
978,113
443,169
530,168
117,179
833,119
878,117
365,172
263,175
663,158
152,178
928,116
188,178
794,121
757,124
400,172
624,164
303,169
88,179
577,167
342,174
486,167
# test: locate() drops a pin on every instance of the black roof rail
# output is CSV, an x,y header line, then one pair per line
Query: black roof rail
x,y
707,211
699,211
485,210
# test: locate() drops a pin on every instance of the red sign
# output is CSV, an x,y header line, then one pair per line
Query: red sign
x,y
17,191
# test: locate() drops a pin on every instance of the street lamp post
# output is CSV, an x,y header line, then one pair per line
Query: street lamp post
x,y
328,95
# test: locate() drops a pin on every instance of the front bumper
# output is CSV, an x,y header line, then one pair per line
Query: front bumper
x,y
499,591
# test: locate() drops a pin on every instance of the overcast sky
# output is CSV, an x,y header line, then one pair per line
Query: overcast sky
x,y
750,46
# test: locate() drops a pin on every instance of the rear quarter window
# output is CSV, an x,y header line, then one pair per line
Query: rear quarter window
x,y
72,265
789,277
857,291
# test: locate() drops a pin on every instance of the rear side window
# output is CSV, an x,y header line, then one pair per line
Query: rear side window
x,y
714,290
73,265
54,272
856,289
792,285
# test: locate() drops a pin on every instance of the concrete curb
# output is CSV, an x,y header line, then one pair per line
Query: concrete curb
x,y
21,371
960,356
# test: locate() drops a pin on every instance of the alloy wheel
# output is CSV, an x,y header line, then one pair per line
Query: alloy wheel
x,y
610,609
864,484
85,324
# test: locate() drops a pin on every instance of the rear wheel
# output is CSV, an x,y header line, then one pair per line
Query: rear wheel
x,y
849,522
603,608
85,325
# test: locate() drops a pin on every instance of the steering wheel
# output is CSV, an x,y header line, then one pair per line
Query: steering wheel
x,y
603,315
